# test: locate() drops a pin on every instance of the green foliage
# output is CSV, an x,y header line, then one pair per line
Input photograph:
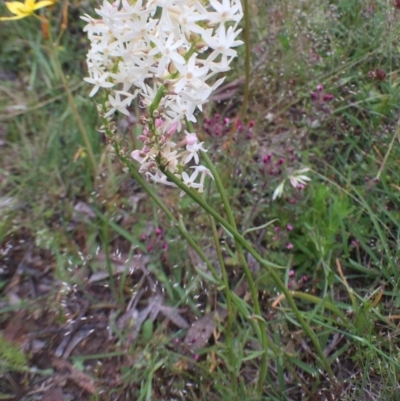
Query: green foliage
x,y
318,235
11,357
344,218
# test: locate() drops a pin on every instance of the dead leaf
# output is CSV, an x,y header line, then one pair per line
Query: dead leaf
x,y
200,332
173,315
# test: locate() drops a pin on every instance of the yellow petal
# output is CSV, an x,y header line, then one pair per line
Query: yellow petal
x,y
16,7
30,4
13,18
43,3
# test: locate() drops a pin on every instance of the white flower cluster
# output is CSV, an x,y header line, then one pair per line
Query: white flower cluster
x,y
164,52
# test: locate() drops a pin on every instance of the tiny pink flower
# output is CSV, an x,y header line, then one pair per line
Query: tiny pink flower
x,y
137,155
267,158
291,273
327,97
289,245
158,231
172,129
289,227
191,139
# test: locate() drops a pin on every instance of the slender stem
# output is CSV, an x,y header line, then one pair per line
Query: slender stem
x,y
396,134
246,245
157,100
142,182
277,351
243,111
229,304
247,272
71,102
327,304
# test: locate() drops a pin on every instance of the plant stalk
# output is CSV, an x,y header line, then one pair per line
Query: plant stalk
x,y
246,245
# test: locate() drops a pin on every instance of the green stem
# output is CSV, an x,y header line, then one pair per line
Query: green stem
x,y
396,134
276,350
247,272
229,304
142,182
246,245
327,304
72,104
243,111
157,100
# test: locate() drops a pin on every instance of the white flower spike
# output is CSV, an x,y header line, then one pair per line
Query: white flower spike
x,y
133,42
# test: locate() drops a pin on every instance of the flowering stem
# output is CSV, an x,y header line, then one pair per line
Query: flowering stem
x,y
157,100
246,269
142,182
246,245
229,304
246,10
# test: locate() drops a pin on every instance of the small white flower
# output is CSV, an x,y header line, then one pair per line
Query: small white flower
x,y
192,151
169,159
223,42
118,104
191,75
189,181
225,11
168,51
204,171
99,81
160,178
